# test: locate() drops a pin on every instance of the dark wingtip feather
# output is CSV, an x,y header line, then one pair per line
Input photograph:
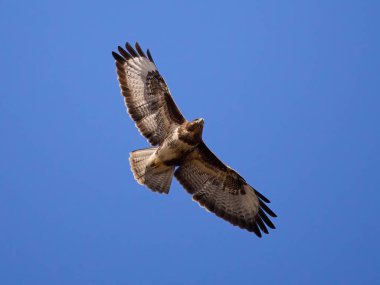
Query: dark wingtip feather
x,y
262,197
117,57
266,220
254,228
149,55
124,53
262,225
139,50
131,50
266,209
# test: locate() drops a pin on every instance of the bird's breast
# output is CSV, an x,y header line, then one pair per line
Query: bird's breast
x,y
173,150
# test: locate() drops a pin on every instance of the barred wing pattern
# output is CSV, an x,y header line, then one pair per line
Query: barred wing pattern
x,y
146,94
221,190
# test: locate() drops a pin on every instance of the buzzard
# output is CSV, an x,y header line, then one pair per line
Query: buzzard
x,y
178,149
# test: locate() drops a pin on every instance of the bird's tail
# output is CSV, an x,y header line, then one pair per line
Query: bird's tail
x,y
156,177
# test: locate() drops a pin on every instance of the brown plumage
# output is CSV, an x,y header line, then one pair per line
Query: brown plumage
x,y
178,148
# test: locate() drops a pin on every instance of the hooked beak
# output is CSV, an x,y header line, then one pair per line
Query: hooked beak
x,y
200,121
196,125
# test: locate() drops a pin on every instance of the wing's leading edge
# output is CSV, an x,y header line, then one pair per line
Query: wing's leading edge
x,y
146,94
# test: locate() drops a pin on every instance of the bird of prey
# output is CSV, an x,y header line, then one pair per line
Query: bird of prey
x,y
178,148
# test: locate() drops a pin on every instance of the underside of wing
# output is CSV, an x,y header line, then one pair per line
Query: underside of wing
x,y
223,191
146,94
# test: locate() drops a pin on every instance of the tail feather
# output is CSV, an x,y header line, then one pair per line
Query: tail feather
x,y
138,160
156,178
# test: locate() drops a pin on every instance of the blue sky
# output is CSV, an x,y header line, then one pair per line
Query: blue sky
x,y
290,95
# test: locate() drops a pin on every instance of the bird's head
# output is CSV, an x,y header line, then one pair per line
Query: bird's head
x,y
193,131
196,125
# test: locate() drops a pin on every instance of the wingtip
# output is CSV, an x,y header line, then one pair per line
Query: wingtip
x,y
265,218
117,57
262,226
267,210
124,53
149,55
262,197
255,229
131,50
258,233
139,50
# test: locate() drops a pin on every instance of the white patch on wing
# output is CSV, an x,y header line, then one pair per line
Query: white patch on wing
x,y
140,66
251,201
147,96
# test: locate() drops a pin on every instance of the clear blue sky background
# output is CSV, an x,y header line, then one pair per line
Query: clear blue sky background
x,y
290,95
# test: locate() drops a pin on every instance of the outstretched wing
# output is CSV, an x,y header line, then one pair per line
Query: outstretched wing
x,y
147,96
223,191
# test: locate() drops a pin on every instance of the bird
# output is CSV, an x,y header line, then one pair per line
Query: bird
x,y
177,148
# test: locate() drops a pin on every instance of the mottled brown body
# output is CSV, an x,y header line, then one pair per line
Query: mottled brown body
x,y
179,144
